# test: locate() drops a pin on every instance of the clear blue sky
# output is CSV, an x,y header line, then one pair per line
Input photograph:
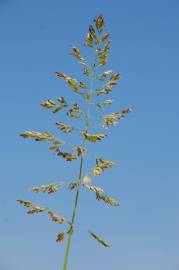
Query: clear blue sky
x,y
144,231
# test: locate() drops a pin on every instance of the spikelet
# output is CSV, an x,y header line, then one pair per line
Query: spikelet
x,y
76,53
72,82
56,145
25,203
100,23
106,199
92,32
94,188
60,237
89,40
63,127
104,75
113,80
75,111
67,156
63,103
105,49
104,91
59,108
48,104
50,188
113,118
101,241
80,150
93,138
101,165
107,46
72,186
87,183
36,210
86,180
103,59
82,85
104,164
97,171
86,72
46,136
103,38
56,218
102,104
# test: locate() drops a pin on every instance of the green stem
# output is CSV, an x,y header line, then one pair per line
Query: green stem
x,y
87,125
70,232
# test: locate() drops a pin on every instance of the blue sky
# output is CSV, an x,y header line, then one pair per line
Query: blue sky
x,y
144,231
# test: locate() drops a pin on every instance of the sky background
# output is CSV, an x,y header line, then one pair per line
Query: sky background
x,y
35,39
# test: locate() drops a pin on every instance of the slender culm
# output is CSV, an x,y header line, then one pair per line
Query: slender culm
x,y
86,127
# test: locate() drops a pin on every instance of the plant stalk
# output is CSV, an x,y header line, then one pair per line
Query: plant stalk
x,y
87,125
70,232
